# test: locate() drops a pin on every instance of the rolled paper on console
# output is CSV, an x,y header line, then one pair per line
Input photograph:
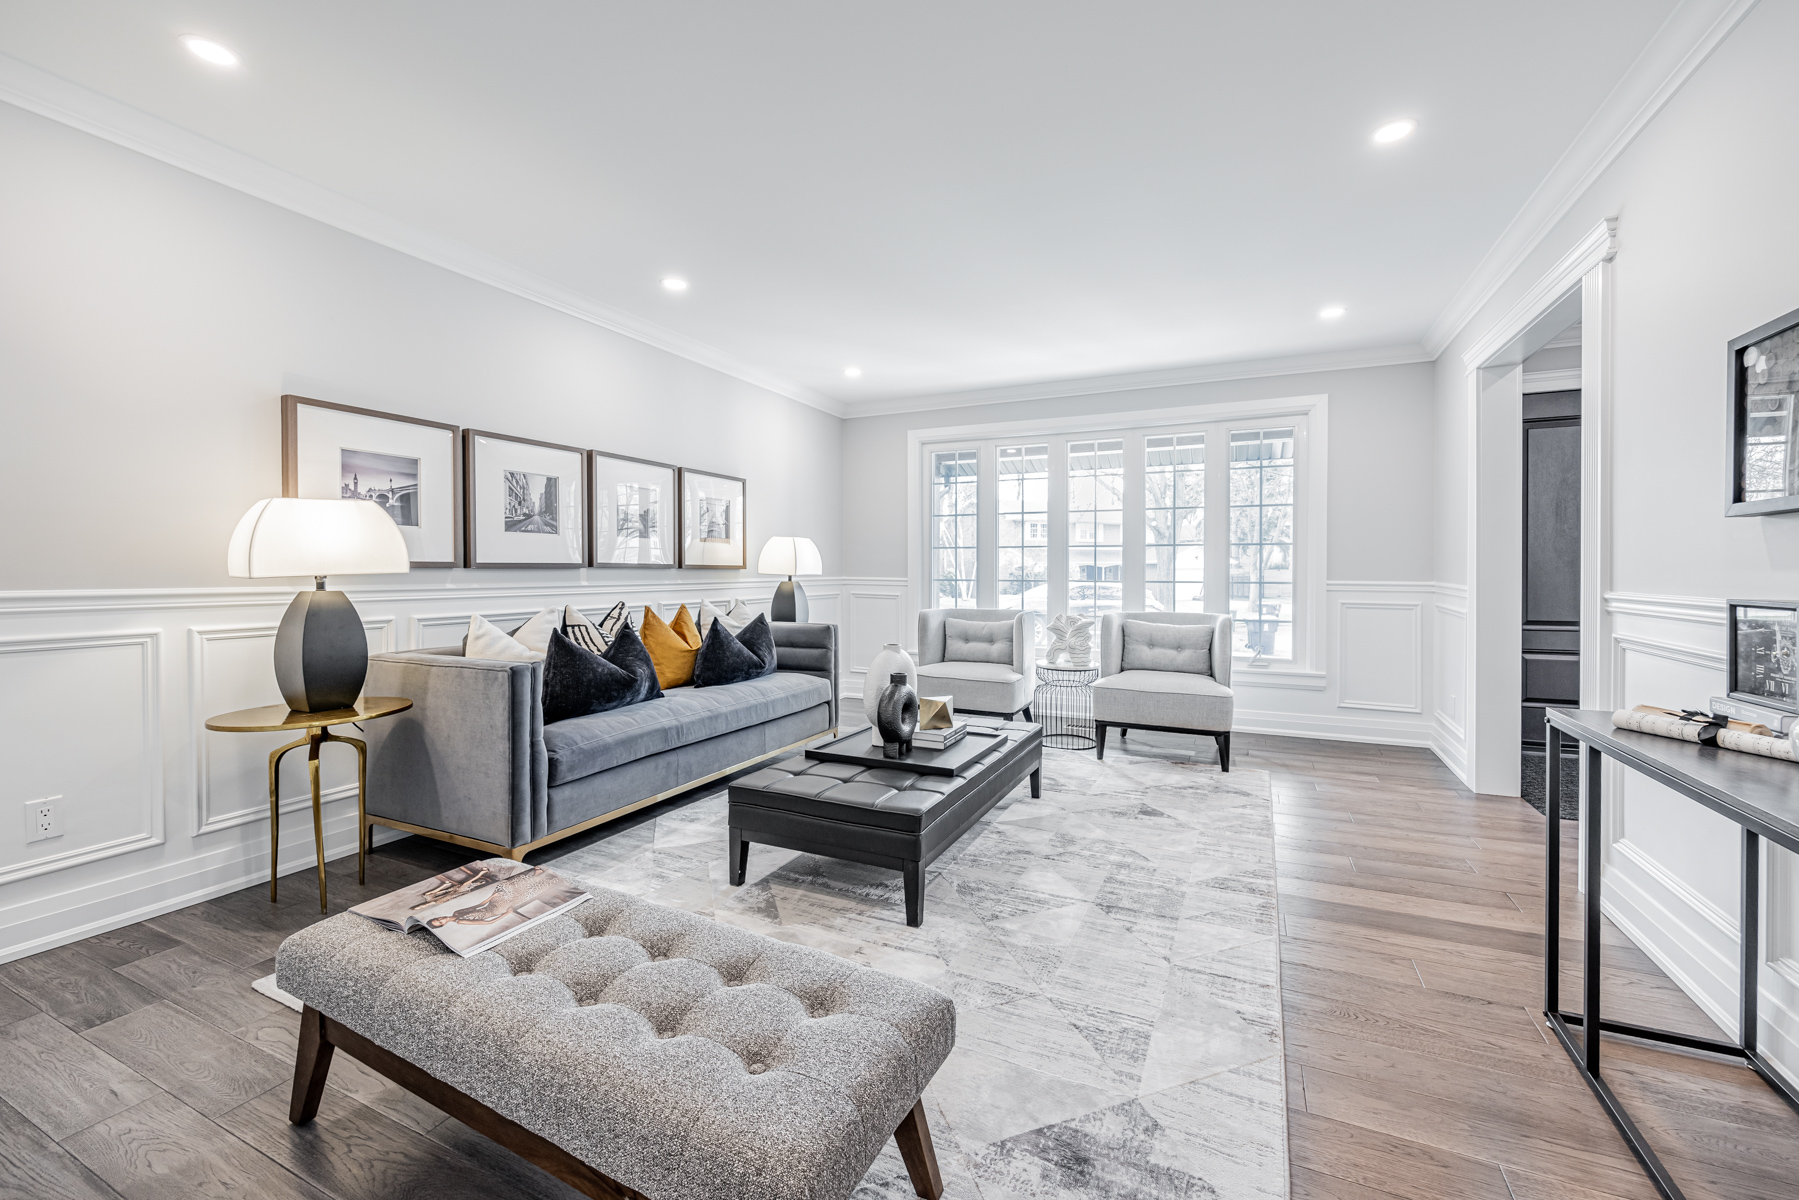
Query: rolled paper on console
x,y
1661,724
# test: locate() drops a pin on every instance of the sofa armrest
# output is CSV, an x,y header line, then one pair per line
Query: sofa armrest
x,y
810,649
468,757
932,624
1024,647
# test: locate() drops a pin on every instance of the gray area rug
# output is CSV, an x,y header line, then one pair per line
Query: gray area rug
x,y
1113,953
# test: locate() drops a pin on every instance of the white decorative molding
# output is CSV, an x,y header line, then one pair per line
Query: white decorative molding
x,y
1331,727
148,644
1454,590
1137,381
1356,660
1243,675
1685,40
1380,586
59,99
1567,380
1692,656
1694,610
1568,337
1599,245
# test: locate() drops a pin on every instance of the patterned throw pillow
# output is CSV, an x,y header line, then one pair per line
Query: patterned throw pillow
x,y
582,632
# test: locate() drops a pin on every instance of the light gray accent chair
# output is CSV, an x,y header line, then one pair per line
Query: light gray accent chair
x,y
977,672
1161,686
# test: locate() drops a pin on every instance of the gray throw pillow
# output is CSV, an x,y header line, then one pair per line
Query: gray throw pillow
x,y
977,641
1153,646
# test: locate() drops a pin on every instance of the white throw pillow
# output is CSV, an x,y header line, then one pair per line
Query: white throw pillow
x,y
535,633
1153,646
735,615
977,641
487,640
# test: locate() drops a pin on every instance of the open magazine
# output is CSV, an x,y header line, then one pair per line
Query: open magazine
x,y
475,907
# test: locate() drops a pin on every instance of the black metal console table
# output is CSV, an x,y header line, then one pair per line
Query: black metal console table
x,y
1760,794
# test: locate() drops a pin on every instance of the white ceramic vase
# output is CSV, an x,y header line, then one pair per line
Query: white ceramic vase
x,y
890,659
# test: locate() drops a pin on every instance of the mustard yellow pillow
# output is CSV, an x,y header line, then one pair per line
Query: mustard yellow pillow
x,y
671,646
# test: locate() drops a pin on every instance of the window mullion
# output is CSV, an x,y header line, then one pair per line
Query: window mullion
x,y
987,543
1058,527
1218,517
1131,571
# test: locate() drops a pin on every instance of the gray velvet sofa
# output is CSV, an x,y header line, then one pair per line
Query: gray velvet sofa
x,y
473,763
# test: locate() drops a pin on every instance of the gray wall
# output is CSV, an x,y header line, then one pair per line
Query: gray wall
x,y
1381,465
150,320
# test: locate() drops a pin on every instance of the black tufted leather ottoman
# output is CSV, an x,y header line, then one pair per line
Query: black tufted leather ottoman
x,y
636,1052
886,816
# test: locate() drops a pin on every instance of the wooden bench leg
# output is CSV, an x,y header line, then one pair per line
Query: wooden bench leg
x,y
914,1138
739,856
311,1065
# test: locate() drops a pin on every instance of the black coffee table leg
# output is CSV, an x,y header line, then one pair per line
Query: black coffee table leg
x,y
914,873
1037,784
740,856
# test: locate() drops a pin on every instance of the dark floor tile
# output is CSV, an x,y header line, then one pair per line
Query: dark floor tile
x,y
208,932
203,1066
355,1153
75,988
212,990
117,947
32,1167
61,1082
14,1007
529,1180
164,1150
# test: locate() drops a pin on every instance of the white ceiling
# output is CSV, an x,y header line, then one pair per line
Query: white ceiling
x,y
950,195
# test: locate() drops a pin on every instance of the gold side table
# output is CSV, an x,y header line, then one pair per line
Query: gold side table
x,y
278,717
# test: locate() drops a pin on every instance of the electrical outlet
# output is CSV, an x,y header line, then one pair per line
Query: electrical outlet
x,y
41,820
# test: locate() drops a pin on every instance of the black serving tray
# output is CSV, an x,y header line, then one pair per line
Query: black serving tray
x,y
857,748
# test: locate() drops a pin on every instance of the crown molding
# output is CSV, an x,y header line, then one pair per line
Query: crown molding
x,y
1685,40
1552,381
47,95
1092,385
1600,245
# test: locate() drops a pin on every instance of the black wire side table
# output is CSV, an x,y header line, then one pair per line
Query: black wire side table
x,y
1063,704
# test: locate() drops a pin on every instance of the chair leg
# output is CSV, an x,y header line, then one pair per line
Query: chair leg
x,y
1122,730
1099,733
1224,752
739,856
1027,713
914,1138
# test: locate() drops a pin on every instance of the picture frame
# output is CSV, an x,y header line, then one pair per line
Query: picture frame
x,y
1762,416
635,517
712,520
527,501
411,467
1763,653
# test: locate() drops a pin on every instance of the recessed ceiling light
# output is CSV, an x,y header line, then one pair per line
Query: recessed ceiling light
x,y
1395,131
852,372
1331,312
674,283
210,51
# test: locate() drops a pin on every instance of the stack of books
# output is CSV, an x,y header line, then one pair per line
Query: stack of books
x,y
1780,724
940,739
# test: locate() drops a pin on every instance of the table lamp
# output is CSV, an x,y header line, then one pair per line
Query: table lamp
x,y
789,556
321,651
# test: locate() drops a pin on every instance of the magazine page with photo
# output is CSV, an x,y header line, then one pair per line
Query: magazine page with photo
x,y
477,906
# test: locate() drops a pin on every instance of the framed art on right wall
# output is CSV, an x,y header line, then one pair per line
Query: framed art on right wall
x,y
1764,653
1763,440
712,520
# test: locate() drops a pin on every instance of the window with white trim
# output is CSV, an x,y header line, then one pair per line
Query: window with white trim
x,y
1094,519
955,486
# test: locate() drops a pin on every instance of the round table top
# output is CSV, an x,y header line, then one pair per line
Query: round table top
x,y
1089,669
272,717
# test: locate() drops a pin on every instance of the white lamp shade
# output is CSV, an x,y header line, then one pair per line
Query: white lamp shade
x,y
288,536
790,556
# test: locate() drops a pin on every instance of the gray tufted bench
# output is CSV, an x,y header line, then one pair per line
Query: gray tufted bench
x,y
636,1051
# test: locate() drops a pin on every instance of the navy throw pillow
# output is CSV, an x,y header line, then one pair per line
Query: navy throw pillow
x,y
627,651
725,657
578,682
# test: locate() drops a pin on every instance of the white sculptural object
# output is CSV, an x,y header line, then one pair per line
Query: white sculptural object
x,y
1071,641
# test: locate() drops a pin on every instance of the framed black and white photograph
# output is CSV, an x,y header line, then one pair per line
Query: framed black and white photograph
x,y
712,520
410,467
1764,653
635,507
1764,434
527,501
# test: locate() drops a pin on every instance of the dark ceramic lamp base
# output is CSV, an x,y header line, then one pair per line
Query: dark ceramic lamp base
x,y
789,603
321,652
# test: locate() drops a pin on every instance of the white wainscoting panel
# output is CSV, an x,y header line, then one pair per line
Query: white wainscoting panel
x,y
1449,685
1380,655
876,618
107,778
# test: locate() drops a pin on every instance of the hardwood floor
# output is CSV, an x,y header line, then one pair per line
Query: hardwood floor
x,y
1418,1067
139,1063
